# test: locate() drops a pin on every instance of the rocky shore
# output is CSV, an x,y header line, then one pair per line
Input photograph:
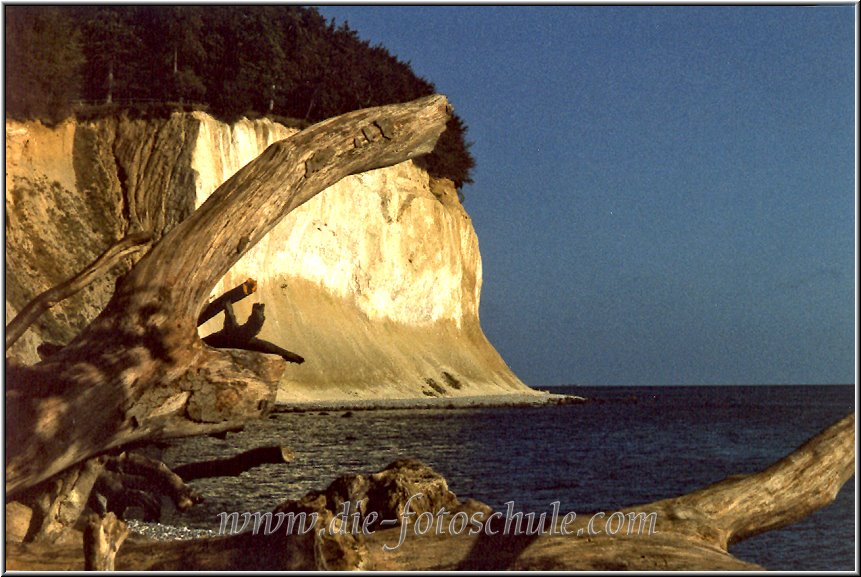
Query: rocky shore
x,y
532,399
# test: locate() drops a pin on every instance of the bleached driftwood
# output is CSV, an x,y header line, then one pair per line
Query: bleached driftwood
x,y
103,537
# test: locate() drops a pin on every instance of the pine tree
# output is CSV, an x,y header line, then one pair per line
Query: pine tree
x,y
284,60
114,54
43,59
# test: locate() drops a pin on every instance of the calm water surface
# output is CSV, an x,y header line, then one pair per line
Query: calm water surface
x,y
644,444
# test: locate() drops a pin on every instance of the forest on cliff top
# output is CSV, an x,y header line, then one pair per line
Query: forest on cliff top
x,y
232,61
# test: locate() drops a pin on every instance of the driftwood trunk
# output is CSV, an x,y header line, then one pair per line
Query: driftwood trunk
x,y
103,537
139,371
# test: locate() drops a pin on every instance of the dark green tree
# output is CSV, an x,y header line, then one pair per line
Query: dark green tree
x,y
173,55
43,63
114,53
307,61
284,60
246,59
451,157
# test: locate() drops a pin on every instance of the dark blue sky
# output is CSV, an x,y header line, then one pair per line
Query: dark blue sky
x,y
664,195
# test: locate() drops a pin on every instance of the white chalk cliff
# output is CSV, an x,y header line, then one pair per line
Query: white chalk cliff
x,y
375,281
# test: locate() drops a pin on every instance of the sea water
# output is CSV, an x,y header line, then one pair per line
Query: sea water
x,y
636,445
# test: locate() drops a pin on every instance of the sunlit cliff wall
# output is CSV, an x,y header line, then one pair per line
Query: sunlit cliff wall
x,y
375,281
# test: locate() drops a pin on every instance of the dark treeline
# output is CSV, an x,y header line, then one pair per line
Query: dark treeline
x,y
284,61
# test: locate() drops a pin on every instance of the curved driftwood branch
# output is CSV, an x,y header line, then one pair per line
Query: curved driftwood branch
x,y
791,489
139,371
36,307
156,478
691,532
288,173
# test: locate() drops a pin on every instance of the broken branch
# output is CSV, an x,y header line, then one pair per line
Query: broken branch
x,y
34,309
235,465
234,295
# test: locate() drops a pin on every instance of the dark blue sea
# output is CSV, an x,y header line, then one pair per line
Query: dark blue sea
x,y
640,445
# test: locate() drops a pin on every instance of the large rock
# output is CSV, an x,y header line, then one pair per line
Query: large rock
x,y
346,504
330,545
376,281
409,481
387,492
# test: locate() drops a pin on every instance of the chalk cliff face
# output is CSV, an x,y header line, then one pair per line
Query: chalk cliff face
x,y
375,281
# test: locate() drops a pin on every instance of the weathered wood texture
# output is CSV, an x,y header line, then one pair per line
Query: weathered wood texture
x,y
799,484
103,537
58,503
139,370
142,473
235,465
34,309
234,295
244,336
